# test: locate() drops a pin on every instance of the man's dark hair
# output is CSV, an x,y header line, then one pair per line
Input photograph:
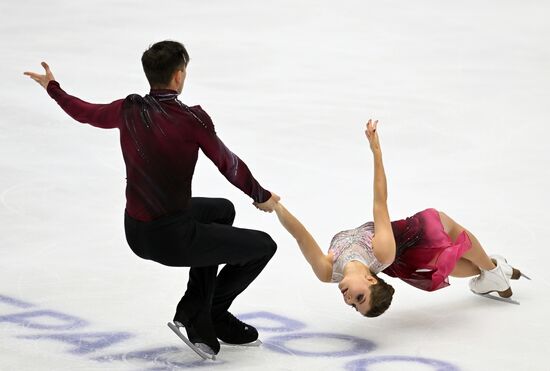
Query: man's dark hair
x,y
161,60
381,295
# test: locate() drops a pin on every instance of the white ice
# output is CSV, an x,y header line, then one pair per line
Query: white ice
x,y
461,90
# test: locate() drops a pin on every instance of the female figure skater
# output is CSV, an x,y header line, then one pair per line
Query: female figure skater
x,y
422,250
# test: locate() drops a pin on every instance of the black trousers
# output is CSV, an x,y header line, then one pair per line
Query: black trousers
x,y
203,238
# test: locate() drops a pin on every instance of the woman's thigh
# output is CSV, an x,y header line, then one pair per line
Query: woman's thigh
x,y
452,228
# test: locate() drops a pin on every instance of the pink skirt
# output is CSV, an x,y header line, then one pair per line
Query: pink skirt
x,y
426,255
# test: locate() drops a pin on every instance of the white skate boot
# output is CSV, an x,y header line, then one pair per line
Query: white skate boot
x,y
509,271
491,281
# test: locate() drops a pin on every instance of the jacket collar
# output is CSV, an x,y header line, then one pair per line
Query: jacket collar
x,y
164,94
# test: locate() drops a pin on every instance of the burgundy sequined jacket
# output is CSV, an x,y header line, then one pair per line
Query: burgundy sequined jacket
x,y
160,139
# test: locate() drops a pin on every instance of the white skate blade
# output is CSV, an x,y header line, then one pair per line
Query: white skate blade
x,y
255,343
203,350
498,298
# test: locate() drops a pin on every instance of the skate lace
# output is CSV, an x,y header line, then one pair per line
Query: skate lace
x,y
235,323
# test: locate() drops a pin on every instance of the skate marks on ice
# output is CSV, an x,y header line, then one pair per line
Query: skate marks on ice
x,y
203,350
15,198
28,322
159,359
498,298
25,321
402,362
291,340
254,344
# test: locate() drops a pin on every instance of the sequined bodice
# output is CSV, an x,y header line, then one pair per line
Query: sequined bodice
x,y
354,244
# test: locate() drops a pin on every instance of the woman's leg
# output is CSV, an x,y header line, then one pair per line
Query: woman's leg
x,y
494,279
465,268
475,255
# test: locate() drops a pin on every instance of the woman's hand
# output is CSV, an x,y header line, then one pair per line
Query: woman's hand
x,y
269,205
43,80
372,135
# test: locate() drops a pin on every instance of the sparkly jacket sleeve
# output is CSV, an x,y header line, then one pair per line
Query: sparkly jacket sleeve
x,y
228,163
106,116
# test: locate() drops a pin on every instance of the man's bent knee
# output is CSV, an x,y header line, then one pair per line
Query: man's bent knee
x,y
269,246
229,211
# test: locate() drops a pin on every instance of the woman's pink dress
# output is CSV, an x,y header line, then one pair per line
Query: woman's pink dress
x,y
426,255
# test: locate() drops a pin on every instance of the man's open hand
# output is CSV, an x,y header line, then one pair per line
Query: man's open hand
x,y
42,79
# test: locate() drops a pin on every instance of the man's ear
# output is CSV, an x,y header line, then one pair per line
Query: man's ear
x,y
178,76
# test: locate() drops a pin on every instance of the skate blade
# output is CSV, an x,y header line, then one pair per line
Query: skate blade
x,y
255,343
498,298
203,350
517,274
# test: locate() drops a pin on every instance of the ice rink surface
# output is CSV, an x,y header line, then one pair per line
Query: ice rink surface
x,y
461,90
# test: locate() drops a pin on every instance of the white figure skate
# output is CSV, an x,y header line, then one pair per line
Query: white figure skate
x,y
495,280
510,272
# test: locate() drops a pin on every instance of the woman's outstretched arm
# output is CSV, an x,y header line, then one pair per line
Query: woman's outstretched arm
x,y
320,263
383,242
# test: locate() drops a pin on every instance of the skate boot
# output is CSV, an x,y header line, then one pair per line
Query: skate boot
x,y
201,337
509,271
491,281
231,330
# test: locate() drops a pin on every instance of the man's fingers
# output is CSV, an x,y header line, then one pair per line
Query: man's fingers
x,y
35,78
49,73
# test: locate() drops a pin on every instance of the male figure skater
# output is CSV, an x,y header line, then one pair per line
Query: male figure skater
x,y
160,138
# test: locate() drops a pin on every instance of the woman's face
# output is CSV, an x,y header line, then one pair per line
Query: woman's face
x,y
356,292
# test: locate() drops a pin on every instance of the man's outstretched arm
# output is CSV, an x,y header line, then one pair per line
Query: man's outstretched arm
x,y
233,168
105,116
